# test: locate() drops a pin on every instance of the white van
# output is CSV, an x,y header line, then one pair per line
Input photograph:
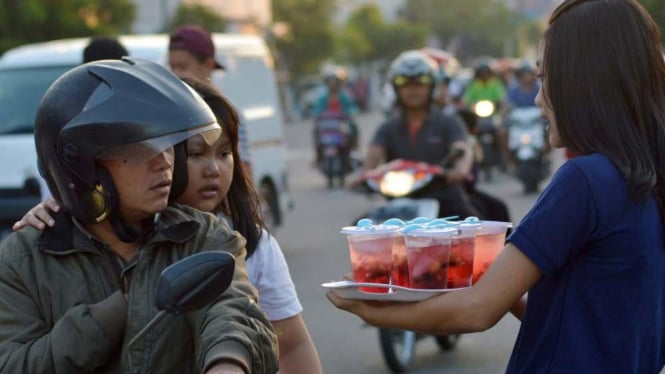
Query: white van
x,y
27,71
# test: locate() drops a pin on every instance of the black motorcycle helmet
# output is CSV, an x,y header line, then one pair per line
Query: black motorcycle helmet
x,y
95,110
412,64
483,69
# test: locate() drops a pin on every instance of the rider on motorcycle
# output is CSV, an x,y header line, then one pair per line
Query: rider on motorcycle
x,y
422,133
335,100
523,92
486,87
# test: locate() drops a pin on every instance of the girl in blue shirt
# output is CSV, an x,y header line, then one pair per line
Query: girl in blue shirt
x,y
591,252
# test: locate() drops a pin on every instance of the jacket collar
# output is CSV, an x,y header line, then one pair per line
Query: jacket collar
x,y
69,236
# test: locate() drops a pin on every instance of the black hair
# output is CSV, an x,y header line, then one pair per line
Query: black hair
x,y
103,48
242,202
604,77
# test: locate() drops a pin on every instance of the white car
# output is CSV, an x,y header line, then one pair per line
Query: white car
x,y
248,80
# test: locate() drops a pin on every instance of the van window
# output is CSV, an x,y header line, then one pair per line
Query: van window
x,y
20,93
246,83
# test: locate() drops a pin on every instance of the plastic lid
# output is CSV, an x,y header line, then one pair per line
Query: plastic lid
x,y
370,230
421,230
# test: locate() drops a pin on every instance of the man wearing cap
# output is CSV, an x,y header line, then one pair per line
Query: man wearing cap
x,y
192,53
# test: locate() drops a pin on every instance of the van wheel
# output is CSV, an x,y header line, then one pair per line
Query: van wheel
x,y
269,205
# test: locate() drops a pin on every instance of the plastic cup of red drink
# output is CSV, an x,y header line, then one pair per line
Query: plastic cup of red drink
x,y
370,252
489,241
462,252
400,269
428,253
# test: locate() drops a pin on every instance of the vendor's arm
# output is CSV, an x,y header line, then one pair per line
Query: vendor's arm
x,y
471,310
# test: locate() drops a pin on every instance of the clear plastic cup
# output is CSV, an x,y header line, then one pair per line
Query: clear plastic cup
x,y
489,241
428,253
400,269
370,253
462,253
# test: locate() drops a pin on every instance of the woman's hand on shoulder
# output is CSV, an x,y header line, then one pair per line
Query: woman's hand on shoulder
x,y
39,216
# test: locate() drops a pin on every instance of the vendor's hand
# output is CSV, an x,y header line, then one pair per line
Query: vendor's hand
x,y
368,311
225,367
39,216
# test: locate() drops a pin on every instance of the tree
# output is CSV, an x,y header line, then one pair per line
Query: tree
x,y
480,27
27,21
657,10
197,14
310,38
377,40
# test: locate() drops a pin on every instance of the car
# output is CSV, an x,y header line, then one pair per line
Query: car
x,y
248,81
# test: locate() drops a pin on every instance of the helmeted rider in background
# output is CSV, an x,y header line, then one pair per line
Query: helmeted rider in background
x,y
421,132
336,100
485,86
523,92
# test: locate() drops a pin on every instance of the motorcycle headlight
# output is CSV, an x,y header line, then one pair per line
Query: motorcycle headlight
x,y
397,183
484,108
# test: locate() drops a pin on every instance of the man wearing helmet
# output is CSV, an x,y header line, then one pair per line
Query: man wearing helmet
x,y
420,132
523,92
73,296
335,100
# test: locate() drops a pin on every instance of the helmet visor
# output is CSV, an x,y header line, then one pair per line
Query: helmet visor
x,y
143,151
423,79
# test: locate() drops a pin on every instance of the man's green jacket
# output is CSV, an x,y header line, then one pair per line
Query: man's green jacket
x,y
62,308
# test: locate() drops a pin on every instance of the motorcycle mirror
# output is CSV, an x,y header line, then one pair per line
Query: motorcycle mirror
x,y
189,284
195,281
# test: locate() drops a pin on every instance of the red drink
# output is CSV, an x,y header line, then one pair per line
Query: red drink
x,y
489,242
460,268
400,271
428,260
371,260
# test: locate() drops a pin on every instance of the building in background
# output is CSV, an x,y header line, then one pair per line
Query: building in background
x,y
243,16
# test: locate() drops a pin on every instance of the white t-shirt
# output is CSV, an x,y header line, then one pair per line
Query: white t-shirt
x,y
268,272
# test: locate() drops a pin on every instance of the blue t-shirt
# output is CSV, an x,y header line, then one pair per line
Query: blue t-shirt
x,y
600,305
522,99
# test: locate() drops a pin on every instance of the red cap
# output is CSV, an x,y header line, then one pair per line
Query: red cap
x,y
194,39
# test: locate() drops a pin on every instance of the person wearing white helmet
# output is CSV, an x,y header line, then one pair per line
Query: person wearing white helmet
x,y
419,131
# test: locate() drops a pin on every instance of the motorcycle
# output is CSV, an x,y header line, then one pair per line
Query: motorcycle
x,y
526,143
397,180
333,146
486,111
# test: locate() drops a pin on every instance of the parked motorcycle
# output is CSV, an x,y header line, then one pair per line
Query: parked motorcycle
x,y
526,142
486,111
397,180
333,146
